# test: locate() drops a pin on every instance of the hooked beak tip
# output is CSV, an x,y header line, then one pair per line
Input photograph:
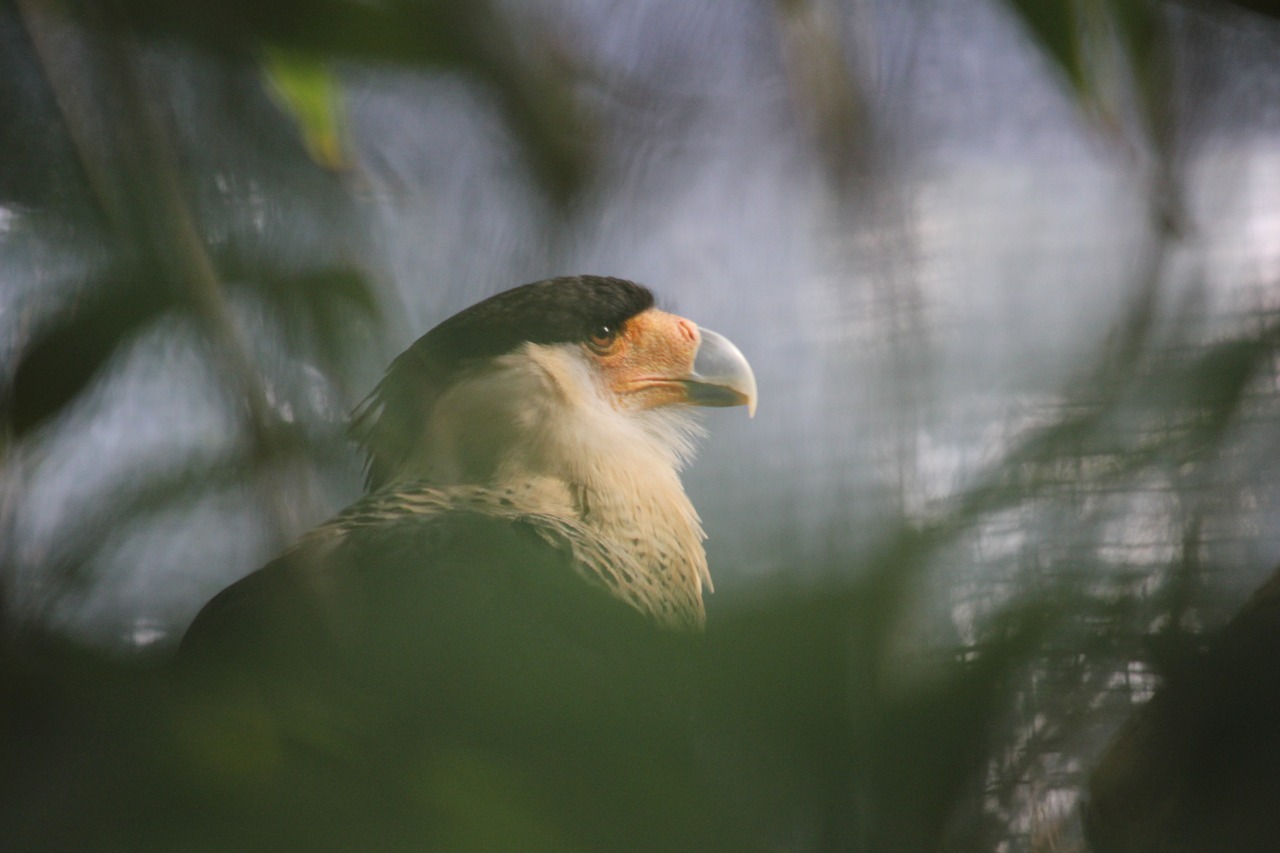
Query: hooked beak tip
x,y
721,376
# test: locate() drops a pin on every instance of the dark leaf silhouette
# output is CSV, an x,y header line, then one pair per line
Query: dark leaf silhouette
x,y
65,357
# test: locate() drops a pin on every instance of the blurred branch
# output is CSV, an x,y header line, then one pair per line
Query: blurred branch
x,y
145,207
1117,59
47,22
826,92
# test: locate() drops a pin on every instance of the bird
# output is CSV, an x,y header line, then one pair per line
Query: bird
x,y
507,610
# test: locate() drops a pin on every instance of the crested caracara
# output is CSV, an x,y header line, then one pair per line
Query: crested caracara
x,y
563,407
518,583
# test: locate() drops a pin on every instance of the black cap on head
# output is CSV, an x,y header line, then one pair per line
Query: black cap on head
x,y
556,310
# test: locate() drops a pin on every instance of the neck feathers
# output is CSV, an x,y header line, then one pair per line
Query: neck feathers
x,y
538,416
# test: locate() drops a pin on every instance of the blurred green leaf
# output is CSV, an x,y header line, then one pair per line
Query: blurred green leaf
x,y
533,87
309,91
1137,26
1054,27
484,805
64,357
1105,50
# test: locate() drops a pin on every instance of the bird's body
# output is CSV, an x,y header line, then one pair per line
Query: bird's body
x,y
516,585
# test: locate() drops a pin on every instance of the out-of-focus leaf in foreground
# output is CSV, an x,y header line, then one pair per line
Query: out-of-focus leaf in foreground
x,y
73,348
472,37
1110,56
310,92
1054,26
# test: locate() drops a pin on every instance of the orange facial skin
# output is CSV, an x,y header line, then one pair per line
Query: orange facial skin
x,y
649,361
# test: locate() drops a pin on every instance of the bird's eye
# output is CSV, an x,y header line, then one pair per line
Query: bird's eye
x,y
602,337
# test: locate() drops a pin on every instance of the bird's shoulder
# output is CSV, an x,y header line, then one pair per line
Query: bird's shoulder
x,y
441,560
411,509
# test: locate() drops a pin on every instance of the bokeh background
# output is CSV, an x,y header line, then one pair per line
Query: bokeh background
x,y
1008,272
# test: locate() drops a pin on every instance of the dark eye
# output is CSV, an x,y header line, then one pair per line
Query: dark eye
x,y
602,337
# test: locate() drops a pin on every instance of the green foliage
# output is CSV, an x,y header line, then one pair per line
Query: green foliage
x,y
1111,53
1054,26
313,94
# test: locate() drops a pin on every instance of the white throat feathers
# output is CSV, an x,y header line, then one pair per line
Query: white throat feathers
x,y
539,415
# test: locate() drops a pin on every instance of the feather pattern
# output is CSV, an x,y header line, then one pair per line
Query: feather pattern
x,y
612,564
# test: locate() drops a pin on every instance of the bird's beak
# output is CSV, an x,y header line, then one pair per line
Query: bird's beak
x,y
662,359
721,375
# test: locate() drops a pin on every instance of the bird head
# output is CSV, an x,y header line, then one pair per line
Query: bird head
x,y
548,379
